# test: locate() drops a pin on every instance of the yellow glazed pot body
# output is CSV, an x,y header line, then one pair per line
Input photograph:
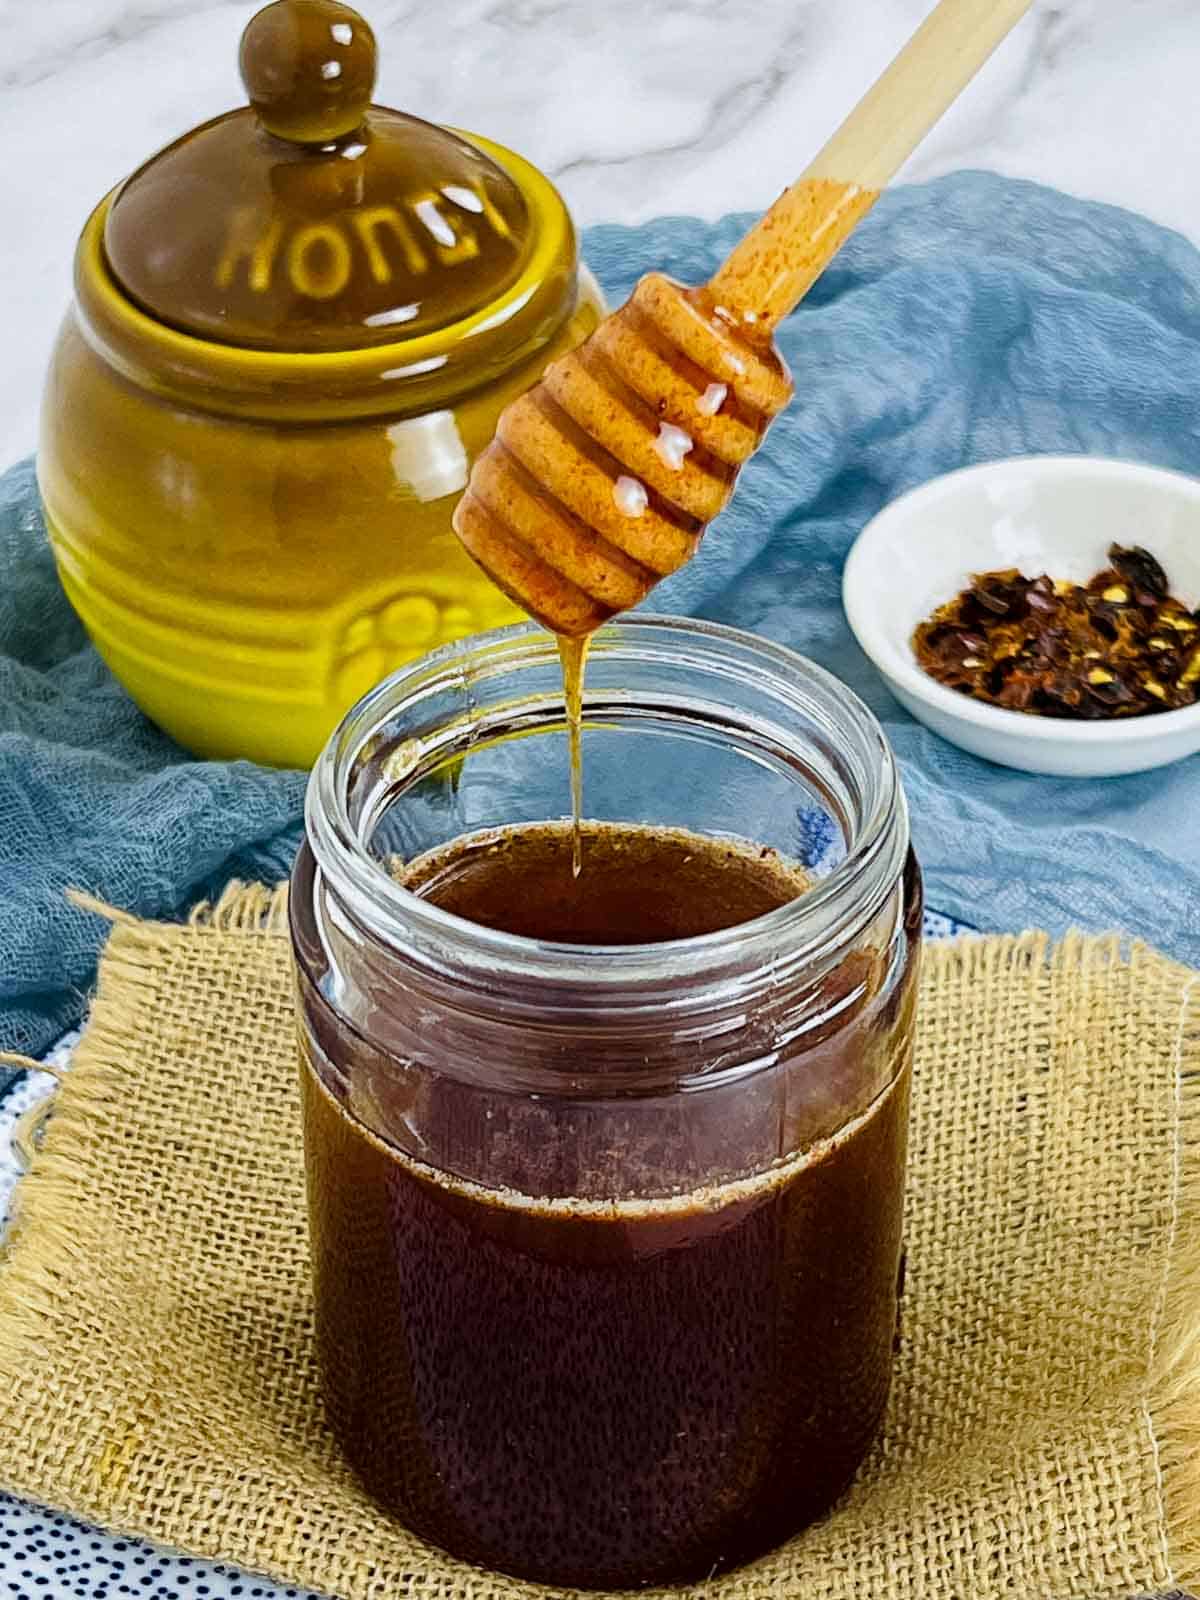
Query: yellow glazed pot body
x,y
254,538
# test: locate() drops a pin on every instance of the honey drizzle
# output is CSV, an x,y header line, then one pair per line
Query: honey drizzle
x,y
572,652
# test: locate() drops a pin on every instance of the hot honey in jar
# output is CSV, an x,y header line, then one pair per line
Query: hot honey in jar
x,y
606,1170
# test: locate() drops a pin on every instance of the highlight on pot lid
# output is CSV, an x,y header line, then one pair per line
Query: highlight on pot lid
x,y
313,220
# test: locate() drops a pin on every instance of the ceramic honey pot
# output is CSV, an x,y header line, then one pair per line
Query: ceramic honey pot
x,y
294,329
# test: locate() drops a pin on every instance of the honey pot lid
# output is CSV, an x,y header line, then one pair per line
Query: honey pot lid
x,y
313,220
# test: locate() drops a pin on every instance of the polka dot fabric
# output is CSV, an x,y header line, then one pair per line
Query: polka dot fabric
x,y
47,1556
52,1557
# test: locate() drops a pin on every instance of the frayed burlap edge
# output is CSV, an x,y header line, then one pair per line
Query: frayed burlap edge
x,y
1173,1396
245,908
41,1217
34,1285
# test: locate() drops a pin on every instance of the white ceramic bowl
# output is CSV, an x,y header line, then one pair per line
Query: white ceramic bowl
x,y
1053,514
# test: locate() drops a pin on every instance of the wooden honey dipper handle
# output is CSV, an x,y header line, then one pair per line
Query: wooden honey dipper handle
x,y
774,266
602,478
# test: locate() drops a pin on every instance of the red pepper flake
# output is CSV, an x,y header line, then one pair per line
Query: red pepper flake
x,y
1118,646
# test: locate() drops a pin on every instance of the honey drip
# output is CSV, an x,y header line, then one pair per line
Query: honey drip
x,y
588,543
601,479
573,655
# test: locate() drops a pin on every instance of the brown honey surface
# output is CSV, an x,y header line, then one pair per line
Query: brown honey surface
x,y
639,885
618,1393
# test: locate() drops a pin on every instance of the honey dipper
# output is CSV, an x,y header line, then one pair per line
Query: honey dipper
x,y
602,478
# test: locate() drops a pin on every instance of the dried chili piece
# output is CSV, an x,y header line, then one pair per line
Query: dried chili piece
x,y
1120,645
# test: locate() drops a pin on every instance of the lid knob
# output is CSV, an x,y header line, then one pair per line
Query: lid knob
x,y
309,69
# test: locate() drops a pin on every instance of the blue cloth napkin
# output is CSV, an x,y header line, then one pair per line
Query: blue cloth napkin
x,y
968,318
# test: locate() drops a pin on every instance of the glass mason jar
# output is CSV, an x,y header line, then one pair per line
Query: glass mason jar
x,y
606,1240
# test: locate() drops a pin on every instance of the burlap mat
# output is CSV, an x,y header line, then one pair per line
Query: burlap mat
x,y
156,1363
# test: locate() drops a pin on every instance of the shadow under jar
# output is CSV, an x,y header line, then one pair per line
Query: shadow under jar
x,y
607,1235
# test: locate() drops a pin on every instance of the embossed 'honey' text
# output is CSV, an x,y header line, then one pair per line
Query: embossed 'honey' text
x,y
319,259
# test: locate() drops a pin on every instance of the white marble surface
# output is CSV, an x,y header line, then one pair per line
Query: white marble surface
x,y
634,106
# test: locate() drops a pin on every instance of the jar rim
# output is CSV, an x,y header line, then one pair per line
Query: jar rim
x,y
837,906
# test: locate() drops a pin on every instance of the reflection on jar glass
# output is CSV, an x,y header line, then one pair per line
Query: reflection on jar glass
x,y
606,1233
